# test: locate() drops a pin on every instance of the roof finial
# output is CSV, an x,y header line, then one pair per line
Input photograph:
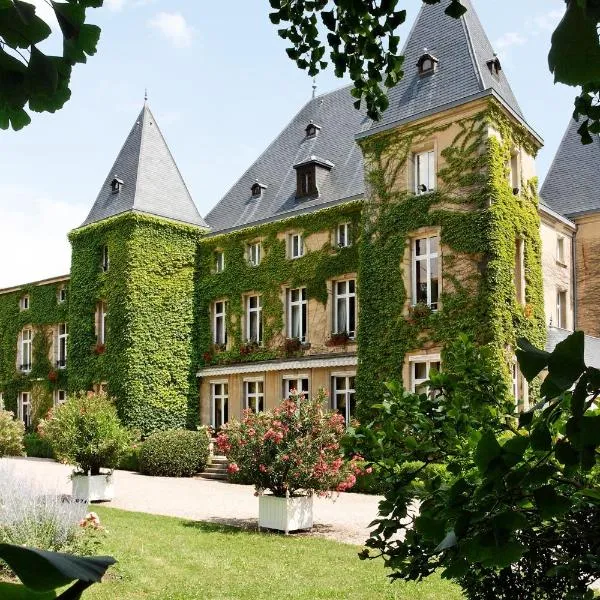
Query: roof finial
x,y
145,95
314,87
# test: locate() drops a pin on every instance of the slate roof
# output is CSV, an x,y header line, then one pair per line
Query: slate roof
x,y
462,49
152,183
572,185
339,121
592,345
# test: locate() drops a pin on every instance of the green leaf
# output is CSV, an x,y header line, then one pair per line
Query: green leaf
x,y
487,450
531,360
566,454
541,439
549,503
590,431
505,554
566,363
14,591
516,445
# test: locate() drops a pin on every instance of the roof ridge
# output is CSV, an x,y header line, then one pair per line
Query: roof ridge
x,y
471,47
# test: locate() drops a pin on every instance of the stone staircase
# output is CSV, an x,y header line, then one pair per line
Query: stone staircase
x,y
216,469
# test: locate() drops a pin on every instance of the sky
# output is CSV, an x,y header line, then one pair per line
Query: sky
x,y
221,88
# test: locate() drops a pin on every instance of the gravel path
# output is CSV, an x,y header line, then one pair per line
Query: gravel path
x,y
345,518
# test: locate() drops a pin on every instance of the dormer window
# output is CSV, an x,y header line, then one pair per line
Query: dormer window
x,y
494,66
427,64
309,175
257,189
115,185
312,130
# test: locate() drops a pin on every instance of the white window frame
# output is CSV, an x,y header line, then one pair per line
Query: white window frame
x,y
429,360
250,311
220,399
1,400
347,392
105,258
26,350
60,397
101,313
24,408
515,171
425,171
219,257
62,294
346,296
24,302
427,257
296,245
560,308
300,383
343,235
253,399
220,322
560,249
61,347
254,254
299,306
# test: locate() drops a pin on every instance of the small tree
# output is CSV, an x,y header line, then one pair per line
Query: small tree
x,y
11,434
86,432
515,511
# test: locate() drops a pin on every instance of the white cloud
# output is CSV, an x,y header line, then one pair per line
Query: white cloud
x,y
114,5
33,235
548,21
174,28
510,39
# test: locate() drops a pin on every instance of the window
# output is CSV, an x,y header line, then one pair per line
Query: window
x,y
253,252
312,130
254,325
62,295
257,189
25,408
61,360
305,181
26,349
520,271
219,404
60,397
297,314
105,259
254,396
560,249
515,173
115,185
297,384
561,309
24,302
420,369
427,64
425,271
343,235
295,245
101,322
425,172
494,66
344,307
219,261
514,375
343,398
219,323
1,400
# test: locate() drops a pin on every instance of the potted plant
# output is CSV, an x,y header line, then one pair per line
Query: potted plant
x,y
86,432
289,454
338,339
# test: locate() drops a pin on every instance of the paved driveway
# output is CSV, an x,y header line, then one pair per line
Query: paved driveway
x,y
345,518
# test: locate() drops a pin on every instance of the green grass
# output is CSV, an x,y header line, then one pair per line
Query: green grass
x,y
173,559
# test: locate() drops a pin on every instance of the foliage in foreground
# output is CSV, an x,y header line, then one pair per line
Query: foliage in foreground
x,y
11,434
515,511
36,446
174,453
86,432
292,449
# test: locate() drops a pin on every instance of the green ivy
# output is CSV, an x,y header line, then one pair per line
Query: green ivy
x,y
149,291
479,217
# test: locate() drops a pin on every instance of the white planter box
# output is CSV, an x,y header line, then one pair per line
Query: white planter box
x,y
93,488
285,514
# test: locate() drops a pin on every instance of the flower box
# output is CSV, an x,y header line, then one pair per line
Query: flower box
x,y
294,513
92,488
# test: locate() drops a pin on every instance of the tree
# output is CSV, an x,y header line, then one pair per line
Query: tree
x,y
27,75
363,43
509,504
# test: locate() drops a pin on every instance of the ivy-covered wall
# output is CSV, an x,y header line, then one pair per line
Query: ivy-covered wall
x,y
147,360
312,271
44,311
479,219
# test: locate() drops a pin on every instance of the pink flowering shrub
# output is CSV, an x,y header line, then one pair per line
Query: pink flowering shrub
x,y
293,449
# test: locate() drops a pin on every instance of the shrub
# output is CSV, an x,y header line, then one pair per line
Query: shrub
x,y
293,449
86,432
174,453
37,446
11,434
131,459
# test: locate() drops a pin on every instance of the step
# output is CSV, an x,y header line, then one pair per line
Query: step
x,y
217,469
218,460
217,476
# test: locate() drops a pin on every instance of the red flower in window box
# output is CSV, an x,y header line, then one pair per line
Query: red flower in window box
x,y
100,349
207,357
52,376
338,339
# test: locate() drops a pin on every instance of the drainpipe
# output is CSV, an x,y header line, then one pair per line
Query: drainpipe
x,y
574,271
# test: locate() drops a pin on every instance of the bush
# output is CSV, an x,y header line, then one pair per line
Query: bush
x,y
37,446
174,453
131,459
11,434
293,449
86,432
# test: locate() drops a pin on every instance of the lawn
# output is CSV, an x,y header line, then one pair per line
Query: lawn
x,y
174,559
